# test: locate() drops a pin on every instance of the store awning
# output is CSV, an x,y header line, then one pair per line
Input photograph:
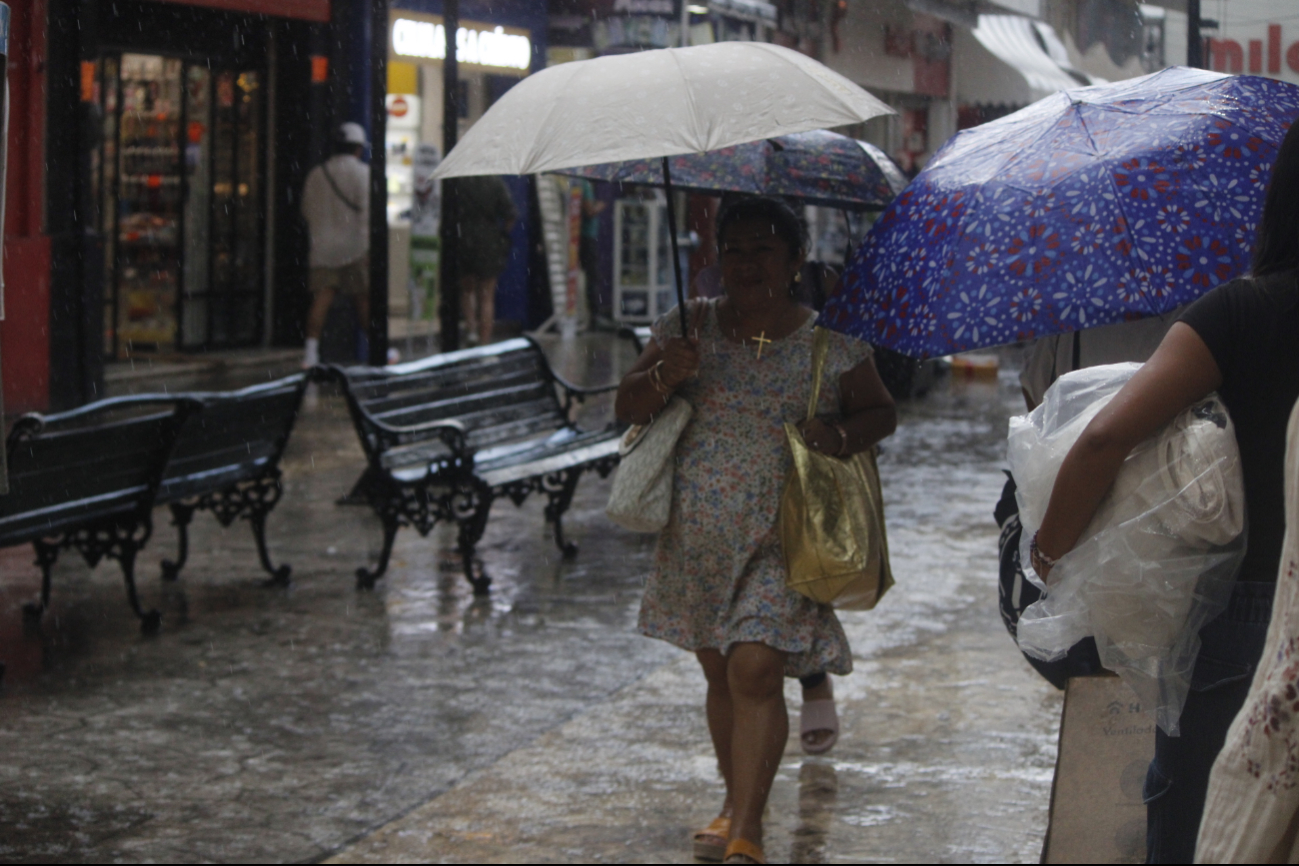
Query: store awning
x,y
751,10
1033,50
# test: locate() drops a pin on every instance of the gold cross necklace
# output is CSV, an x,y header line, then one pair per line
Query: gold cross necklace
x,y
762,341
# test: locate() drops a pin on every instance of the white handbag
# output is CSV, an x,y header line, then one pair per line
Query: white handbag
x,y
641,499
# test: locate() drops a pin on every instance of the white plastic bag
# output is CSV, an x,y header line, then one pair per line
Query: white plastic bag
x,y
1157,561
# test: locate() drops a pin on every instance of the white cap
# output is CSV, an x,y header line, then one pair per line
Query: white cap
x,y
353,133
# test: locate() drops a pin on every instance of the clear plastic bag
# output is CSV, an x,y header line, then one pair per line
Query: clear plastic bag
x,y
1157,561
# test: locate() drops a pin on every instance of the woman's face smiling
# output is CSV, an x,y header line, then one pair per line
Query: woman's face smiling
x,y
757,263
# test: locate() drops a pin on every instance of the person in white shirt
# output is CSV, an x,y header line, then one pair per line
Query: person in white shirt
x,y
336,206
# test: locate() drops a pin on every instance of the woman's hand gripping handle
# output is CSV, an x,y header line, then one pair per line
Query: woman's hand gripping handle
x,y
659,371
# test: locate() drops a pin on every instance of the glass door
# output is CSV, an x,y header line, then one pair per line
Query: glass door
x,y
181,204
144,221
224,290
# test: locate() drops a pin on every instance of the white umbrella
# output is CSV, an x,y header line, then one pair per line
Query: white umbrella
x,y
657,104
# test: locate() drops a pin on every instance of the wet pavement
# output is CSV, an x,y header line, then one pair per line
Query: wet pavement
x,y
416,722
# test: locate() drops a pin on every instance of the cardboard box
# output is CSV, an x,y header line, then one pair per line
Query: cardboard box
x,y
1106,744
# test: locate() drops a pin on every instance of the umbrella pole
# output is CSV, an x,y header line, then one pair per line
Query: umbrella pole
x,y
676,255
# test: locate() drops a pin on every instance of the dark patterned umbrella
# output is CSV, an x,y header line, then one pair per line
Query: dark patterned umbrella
x,y
818,167
1092,206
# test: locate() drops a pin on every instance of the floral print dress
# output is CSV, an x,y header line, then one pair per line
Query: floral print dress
x,y
719,575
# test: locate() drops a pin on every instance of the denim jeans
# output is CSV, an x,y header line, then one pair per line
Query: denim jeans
x,y
1178,778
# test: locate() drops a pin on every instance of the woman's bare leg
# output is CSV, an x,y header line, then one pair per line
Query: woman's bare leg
x,y
720,718
822,692
469,302
321,301
486,309
755,679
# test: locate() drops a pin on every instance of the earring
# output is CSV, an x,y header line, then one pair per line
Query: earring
x,y
798,277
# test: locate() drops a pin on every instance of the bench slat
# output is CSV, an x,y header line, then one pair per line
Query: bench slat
x,y
577,454
63,478
463,407
378,395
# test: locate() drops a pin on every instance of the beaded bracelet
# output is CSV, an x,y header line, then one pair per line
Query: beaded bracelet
x,y
1039,560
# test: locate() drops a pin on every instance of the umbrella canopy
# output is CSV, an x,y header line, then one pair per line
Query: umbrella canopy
x,y
819,167
654,104
1092,206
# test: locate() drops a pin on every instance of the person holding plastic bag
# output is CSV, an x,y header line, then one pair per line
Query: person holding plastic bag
x,y
718,588
1241,340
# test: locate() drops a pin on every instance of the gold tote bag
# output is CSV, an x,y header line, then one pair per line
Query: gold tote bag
x,y
832,517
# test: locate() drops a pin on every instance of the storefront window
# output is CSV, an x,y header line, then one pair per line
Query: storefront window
x,y
491,59
148,202
182,208
198,168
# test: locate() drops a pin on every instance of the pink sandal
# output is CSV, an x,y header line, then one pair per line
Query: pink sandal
x,y
818,716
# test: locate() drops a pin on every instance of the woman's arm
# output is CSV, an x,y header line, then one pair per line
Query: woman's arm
x,y
868,414
639,400
1181,371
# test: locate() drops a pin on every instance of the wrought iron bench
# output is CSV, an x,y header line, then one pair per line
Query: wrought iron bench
x,y
88,479
227,461
446,436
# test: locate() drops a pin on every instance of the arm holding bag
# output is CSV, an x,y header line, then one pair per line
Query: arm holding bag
x,y
831,520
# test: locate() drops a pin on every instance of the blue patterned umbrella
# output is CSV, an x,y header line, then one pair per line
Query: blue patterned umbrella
x,y
818,167
1092,206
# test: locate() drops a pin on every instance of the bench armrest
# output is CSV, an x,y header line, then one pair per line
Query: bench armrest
x,y
585,390
452,432
579,393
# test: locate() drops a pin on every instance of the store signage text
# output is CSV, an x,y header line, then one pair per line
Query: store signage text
x,y
478,47
1229,55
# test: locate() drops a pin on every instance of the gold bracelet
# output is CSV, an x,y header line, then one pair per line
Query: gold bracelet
x,y
656,379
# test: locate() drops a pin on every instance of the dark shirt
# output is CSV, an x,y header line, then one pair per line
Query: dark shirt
x,y
483,208
1252,328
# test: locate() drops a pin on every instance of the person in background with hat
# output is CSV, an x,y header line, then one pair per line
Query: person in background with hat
x,y
336,206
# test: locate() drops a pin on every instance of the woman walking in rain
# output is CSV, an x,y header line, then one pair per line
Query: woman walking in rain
x,y
1241,340
718,587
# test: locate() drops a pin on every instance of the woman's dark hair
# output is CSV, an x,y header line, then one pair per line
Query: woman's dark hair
x,y
782,218
1276,247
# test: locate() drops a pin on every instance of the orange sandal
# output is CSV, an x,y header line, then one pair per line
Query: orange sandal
x,y
743,848
710,842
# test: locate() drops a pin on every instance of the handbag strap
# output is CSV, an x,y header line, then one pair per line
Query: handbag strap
x,y
820,345
351,205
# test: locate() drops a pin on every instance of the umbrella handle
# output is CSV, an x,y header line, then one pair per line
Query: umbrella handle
x,y
676,255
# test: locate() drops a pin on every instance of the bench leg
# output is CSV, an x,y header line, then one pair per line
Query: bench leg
x,y
181,515
365,579
46,556
149,619
472,510
279,576
559,489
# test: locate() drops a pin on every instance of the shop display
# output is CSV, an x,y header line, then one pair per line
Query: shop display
x,y
642,288
148,202
179,176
